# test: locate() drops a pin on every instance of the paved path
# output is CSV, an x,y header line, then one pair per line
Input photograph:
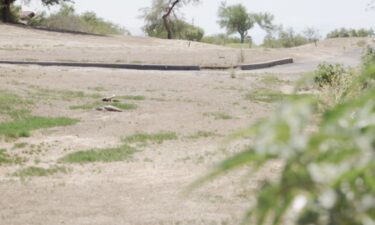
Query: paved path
x,y
351,58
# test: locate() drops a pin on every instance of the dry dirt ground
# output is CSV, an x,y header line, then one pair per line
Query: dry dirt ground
x,y
146,189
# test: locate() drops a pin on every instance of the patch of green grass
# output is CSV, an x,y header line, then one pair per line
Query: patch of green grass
x,y
23,126
86,106
66,95
271,96
20,145
202,134
122,153
238,45
132,97
40,172
123,106
98,88
5,158
219,115
266,95
153,138
12,105
271,80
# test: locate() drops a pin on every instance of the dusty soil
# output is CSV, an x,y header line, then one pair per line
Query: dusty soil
x,y
17,43
148,188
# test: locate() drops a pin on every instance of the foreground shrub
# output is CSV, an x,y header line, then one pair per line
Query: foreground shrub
x,y
328,174
368,57
328,74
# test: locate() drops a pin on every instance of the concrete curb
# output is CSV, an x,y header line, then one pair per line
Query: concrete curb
x,y
267,64
107,65
152,67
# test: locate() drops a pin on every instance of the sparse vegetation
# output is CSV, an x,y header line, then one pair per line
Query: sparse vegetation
x,y
121,153
368,57
202,134
21,122
285,39
219,115
344,33
20,145
145,138
271,80
44,93
266,95
23,126
132,97
5,158
33,171
66,19
221,39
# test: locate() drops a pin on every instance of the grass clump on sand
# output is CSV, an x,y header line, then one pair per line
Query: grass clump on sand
x,y
122,153
145,138
219,115
266,95
23,126
133,97
202,134
271,80
19,122
39,171
122,106
5,158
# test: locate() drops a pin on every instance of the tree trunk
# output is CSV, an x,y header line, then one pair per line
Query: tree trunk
x,y
5,11
167,27
242,38
166,18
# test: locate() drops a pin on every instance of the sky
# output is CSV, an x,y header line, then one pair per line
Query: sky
x,y
323,15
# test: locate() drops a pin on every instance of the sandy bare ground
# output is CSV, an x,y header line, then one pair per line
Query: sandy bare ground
x,y
34,45
146,189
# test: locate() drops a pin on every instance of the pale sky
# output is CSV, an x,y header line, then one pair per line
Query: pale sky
x,y
323,15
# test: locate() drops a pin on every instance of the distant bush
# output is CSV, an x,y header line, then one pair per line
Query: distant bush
x,y
180,29
285,39
343,32
221,39
95,24
67,19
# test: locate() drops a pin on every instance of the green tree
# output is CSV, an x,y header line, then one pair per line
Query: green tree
x,y
163,21
6,6
312,35
236,19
